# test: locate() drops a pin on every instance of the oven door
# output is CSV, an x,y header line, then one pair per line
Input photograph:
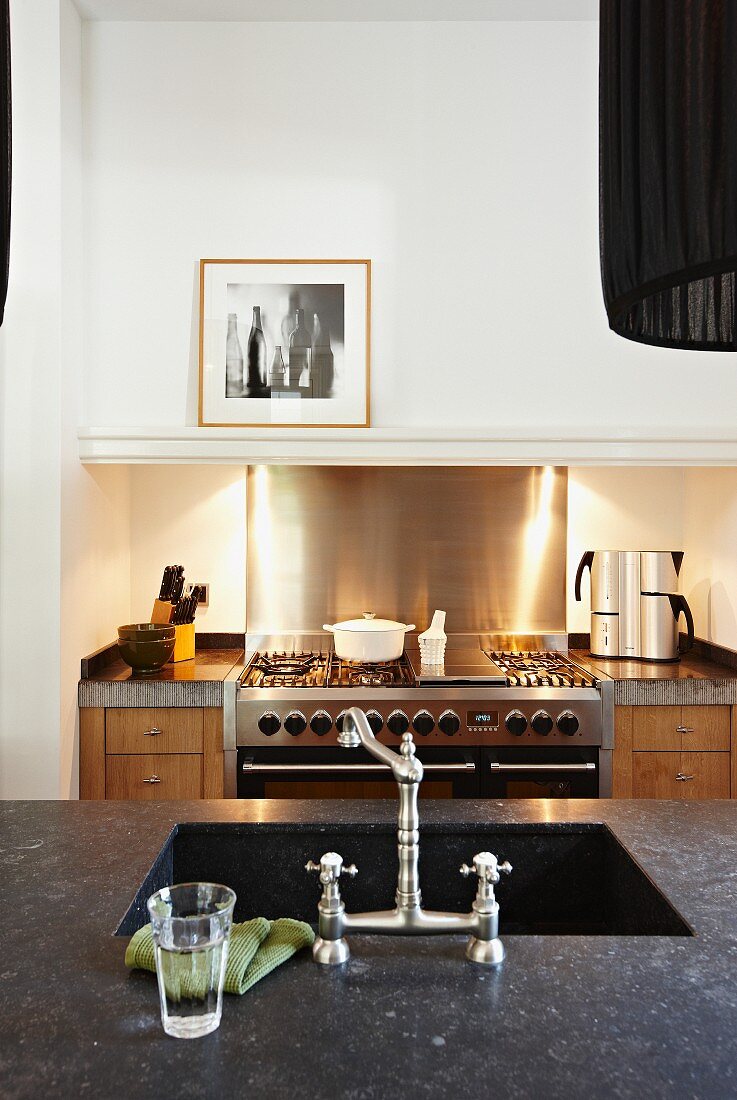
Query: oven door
x,y
511,772
350,773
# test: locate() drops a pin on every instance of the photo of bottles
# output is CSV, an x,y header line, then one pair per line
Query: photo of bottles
x,y
284,341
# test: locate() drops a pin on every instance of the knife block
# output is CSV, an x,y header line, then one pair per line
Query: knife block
x,y
161,612
183,643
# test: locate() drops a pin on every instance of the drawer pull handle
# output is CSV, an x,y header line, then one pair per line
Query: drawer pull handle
x,y
685,729
152,779
681,778
153,732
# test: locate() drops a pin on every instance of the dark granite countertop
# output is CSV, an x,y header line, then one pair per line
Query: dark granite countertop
x,y
690,667
566,1016
705,675
207,664
107,681
697,678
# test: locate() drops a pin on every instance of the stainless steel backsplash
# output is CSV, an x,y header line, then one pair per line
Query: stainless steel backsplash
x,y
485,544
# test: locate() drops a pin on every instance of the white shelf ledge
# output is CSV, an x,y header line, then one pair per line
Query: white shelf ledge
x,y
398,446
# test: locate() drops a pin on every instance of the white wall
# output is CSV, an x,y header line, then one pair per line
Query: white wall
x,y
620,509
460,157
64,539
196,516
30,373
95,592
710,566
94,520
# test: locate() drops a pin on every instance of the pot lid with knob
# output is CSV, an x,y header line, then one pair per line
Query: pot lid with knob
x,y
369,624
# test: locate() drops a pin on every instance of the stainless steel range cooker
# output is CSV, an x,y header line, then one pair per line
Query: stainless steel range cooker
x,y
504,718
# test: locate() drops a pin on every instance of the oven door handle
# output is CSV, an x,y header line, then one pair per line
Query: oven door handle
x,y
587,767
348,769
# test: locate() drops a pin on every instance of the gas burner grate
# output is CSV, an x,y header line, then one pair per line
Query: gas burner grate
x,y
286,670
528,668
360,674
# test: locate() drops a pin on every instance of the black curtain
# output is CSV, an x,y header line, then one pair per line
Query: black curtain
x,y
668,170
5,152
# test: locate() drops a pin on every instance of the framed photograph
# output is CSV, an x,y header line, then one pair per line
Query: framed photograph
x,y
285,342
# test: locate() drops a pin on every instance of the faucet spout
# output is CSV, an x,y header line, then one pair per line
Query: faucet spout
x,y
407,771
405,766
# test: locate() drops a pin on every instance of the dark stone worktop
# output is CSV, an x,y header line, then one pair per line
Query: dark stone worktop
x,y
207,664
194,683
693,680
705,675
566,1016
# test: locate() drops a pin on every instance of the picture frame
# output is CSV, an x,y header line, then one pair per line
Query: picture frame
x,y
284,343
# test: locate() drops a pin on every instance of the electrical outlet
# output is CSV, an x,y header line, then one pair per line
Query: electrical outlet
x,y
204,593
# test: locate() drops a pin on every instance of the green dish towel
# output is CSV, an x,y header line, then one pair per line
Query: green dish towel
x,y
256,948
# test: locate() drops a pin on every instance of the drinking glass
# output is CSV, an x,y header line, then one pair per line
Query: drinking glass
x,y
191,929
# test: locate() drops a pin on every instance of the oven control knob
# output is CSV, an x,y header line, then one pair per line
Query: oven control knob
x,y
516,723
423,723
339,721
398,722
568,723
375,720
269,723
541,722
295,723
449,723
321,723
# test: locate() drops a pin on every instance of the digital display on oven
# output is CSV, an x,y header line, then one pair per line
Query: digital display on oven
x,y
484,719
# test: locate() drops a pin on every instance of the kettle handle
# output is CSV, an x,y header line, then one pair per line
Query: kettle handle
x,y
679,604
586,560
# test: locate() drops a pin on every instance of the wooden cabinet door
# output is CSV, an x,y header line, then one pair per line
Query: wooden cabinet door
x,y
654,775
656,729
180,776
681,775
144,730
705,729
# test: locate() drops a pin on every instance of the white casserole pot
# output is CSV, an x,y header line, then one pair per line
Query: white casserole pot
x,y
369,639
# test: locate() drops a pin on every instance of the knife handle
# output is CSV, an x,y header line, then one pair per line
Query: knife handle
x,y
166,580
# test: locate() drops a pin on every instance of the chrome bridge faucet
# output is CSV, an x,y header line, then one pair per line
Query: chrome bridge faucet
x,y
408,918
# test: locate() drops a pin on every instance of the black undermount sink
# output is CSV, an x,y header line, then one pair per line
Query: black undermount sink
x,y
567,880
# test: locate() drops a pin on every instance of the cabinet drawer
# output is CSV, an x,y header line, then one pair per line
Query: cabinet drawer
x,y
174,775
676,729
160,730
710,726
681,775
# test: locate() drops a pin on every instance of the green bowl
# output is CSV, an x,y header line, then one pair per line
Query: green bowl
x,y
146,656
146,632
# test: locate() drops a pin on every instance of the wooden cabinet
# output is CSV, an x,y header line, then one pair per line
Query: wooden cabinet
x,y
134,730
146,753
148,777
676,729
681,775
674,752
